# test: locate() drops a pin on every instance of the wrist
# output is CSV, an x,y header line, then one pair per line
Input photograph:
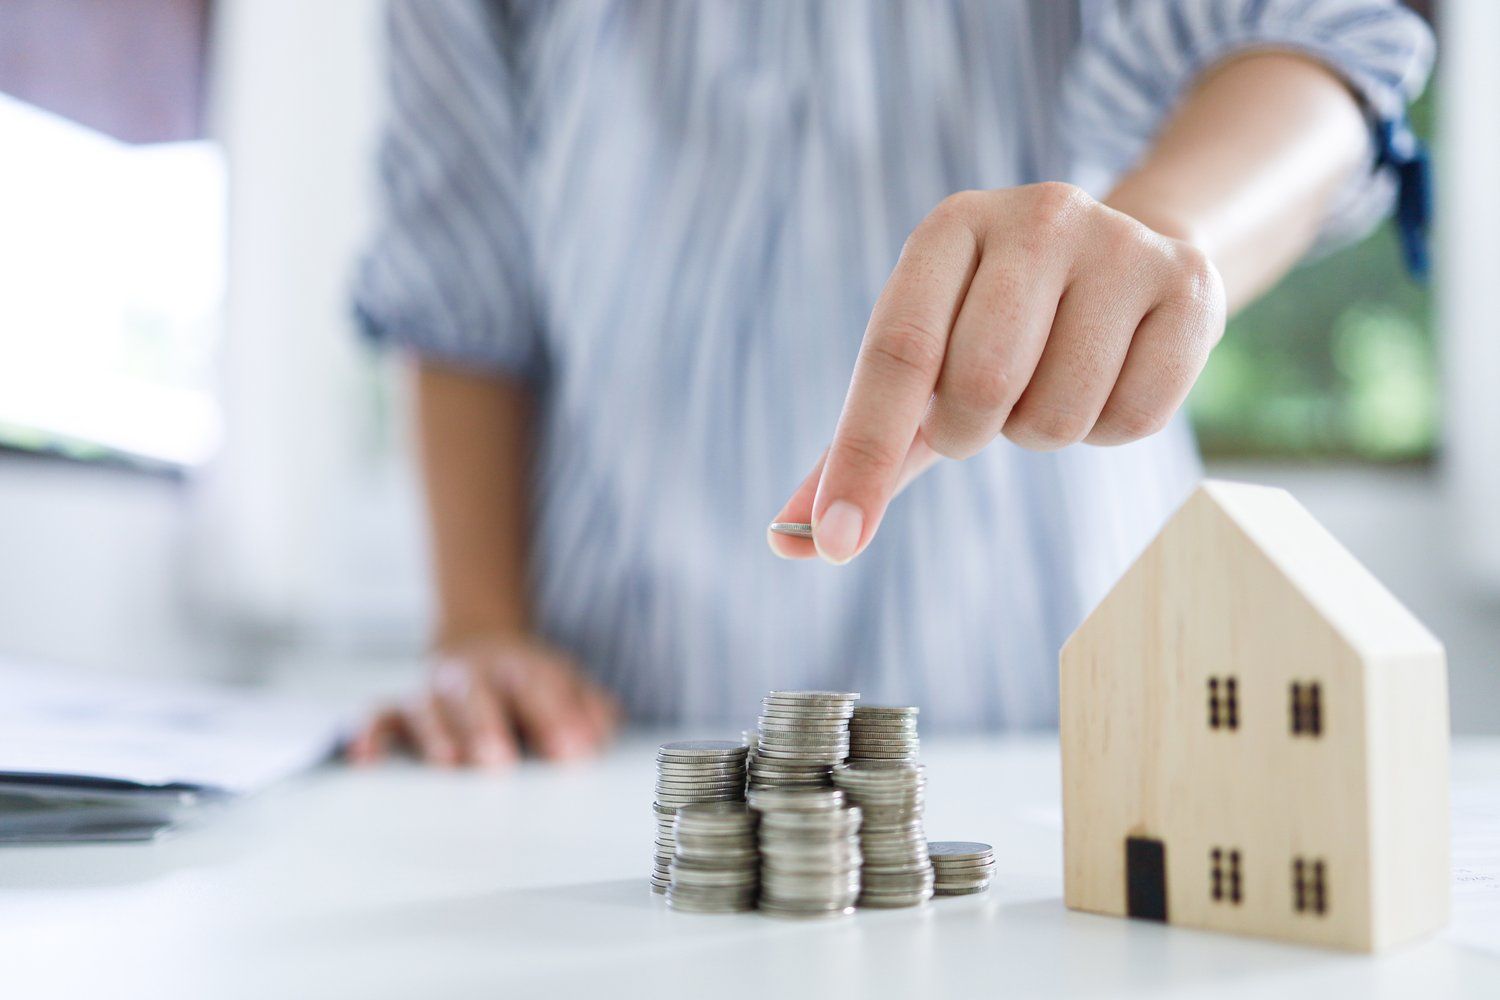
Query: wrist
x,y
1138,198
456,633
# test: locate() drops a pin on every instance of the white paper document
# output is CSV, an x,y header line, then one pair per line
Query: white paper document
x,y
224,739
90,757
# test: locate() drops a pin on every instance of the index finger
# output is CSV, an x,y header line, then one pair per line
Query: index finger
x,y
798,509
898,366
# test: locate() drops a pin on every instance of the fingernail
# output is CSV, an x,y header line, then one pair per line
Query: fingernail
x,y
488,753
836,534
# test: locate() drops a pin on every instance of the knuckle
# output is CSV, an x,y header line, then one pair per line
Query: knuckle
x,y
1126,421
1196,283
953,434
960,206
907,347
866,452
1120,238
1189,314
1055,205
958,216
1050,217
1043,427
979,388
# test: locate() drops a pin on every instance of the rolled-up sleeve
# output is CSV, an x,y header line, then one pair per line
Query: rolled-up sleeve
x,y
447,275
1138,58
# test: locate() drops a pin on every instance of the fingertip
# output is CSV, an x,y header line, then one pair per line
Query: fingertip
x,y
583,736
592,725
370,745
564,745
837,534
790,548
602,738
439,755
493,754
607,715
489,743
365,751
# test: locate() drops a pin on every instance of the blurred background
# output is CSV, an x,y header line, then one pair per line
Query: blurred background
x,y
203,473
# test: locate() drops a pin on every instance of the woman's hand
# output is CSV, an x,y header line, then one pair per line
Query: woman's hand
x,y
1033,312
486,699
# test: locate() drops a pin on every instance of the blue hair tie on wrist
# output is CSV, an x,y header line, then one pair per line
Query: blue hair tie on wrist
x,y
1402,151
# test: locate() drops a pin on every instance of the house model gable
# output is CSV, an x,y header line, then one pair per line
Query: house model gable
x,y
1348,597
1254,736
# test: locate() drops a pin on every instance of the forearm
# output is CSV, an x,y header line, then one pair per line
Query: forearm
x,y
1247,164
474,436
493,688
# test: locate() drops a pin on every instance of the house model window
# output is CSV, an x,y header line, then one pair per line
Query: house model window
x,y
1244,600
1307,709
1310,886
1224,876
1223,703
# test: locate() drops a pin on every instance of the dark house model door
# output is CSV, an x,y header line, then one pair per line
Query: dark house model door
x,y
1146,878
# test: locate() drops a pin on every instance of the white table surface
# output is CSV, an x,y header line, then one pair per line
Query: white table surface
x,y
402,882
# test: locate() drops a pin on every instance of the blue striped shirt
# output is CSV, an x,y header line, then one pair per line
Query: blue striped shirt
x,y
674,218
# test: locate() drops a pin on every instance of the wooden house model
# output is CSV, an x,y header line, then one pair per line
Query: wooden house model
x,y
1255,736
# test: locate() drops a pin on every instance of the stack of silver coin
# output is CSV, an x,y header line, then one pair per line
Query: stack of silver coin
x,y
809,851
800,736
962,867
878,732
716,868
691,771
891,794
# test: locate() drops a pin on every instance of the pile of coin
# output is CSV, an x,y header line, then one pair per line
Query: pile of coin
x,y
962,867
878,732
836,800
891,795
687,772
800,736
809,851
716,868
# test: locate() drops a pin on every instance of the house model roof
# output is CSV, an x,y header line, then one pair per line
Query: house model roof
x,y
1349,597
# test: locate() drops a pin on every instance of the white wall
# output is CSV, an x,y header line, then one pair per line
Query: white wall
x,y
305,530
1468,286
91,572
308,522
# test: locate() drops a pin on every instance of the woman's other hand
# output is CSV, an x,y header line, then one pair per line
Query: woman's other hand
x,y
486,700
